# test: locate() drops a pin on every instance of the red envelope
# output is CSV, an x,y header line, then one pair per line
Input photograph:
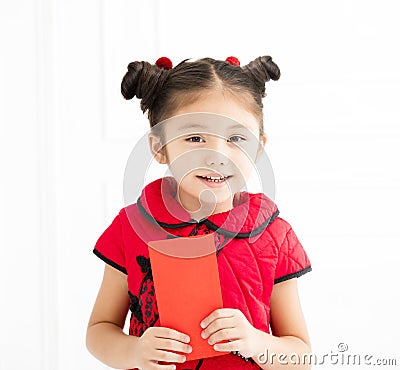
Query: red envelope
x,y
187,287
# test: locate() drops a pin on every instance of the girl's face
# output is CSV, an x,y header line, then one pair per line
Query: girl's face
x,y
225,144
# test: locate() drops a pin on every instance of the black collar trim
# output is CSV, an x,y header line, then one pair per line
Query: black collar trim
x,y
150,218
232,234
208,223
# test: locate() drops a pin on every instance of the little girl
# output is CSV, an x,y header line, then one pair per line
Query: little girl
x,y
259,256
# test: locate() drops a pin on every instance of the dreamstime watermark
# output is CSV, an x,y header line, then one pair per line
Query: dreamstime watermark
x,y
341,356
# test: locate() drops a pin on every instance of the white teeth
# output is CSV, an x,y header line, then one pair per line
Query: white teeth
x,y
214,179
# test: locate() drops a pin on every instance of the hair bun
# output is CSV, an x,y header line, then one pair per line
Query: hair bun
x,y
143,80
262,69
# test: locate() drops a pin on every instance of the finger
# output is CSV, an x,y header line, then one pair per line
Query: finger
x,y
172,345
224,334
218,324
218,313
156,366
228,346
164,332
166,356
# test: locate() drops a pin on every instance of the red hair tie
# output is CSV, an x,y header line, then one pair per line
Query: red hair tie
x,y
164,62
233,61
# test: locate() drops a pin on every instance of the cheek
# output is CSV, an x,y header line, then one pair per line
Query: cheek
x,y
243,167
186,183
244,157
181,163
244,171
246,166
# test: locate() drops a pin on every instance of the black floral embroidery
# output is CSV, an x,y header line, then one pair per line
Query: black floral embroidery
x,y
221,241
144,306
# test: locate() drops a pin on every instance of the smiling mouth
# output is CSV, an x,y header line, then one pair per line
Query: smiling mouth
x,y
214,178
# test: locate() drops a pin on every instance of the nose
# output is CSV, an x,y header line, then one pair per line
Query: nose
x,y
215,153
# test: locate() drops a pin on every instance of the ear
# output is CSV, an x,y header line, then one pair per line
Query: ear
x,y
156,149
262,142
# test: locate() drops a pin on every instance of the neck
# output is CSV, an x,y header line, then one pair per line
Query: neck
x,y
205,209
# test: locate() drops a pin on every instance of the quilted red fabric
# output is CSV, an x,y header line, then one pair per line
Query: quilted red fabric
x,y
255,250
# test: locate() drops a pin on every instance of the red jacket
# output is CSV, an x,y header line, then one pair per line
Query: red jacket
x,y
255,250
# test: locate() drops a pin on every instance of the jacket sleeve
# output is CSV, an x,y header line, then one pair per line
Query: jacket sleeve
x,y
292,258
110,247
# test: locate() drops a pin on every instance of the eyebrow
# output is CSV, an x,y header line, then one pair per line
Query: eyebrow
x,y
196,125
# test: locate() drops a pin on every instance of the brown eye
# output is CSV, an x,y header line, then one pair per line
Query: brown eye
x,y
238,137
194,137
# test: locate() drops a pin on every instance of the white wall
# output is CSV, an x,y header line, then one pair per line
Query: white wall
x,y
66,133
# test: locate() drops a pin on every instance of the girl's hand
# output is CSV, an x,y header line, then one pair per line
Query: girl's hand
x,y
155,345
231,324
